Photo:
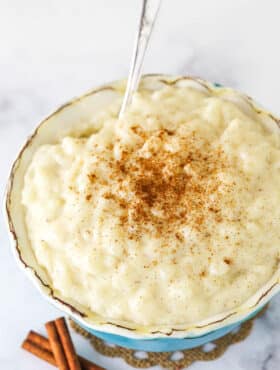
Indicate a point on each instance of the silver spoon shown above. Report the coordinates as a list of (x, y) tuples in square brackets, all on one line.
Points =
[(148, 16)]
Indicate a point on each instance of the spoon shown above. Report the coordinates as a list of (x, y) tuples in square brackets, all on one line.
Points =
[(148, 16)]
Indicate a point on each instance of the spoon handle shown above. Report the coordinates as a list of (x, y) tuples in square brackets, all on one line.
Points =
[(148, 16)]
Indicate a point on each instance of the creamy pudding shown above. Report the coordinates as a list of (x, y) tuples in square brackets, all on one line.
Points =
[(166, 217)]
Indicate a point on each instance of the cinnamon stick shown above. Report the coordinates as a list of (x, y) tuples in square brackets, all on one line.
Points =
[(56, 346), (41, 341), (38, 351), (67, 344)]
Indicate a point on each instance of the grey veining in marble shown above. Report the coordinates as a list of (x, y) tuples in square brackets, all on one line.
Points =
[(52, 50)]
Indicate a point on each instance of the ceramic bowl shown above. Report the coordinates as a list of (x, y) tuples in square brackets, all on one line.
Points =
[(69, 118)]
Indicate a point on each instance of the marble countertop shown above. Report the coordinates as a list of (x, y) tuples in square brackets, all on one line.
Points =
[(54, 50)]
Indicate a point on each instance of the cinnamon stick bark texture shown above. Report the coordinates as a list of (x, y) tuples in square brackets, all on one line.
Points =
[(67, 344), (39, 339), (56, 346), (36, 340), (38, 351)]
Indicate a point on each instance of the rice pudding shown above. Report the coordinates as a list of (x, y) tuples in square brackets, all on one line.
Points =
[(167, 216)]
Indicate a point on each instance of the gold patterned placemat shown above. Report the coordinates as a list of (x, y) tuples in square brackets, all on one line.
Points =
[(168, 360)]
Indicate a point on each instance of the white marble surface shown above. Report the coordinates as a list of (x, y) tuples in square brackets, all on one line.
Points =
[(53, 50)]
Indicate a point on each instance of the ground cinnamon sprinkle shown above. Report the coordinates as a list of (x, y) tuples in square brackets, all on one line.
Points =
[(162, 190), (227, 261), (92, 177)]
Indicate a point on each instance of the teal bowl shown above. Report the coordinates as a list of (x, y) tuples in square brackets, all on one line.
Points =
[(63, 122), (166, 344)]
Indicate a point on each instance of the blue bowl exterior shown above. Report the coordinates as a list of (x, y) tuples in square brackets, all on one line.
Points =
[(167, 344)]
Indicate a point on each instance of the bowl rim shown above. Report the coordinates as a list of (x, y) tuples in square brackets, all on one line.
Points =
[(196, 329)]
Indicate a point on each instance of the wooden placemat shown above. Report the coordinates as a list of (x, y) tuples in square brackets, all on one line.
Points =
[(170, 360)]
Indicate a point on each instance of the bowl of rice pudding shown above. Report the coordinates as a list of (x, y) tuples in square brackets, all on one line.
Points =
[(158, 231)]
